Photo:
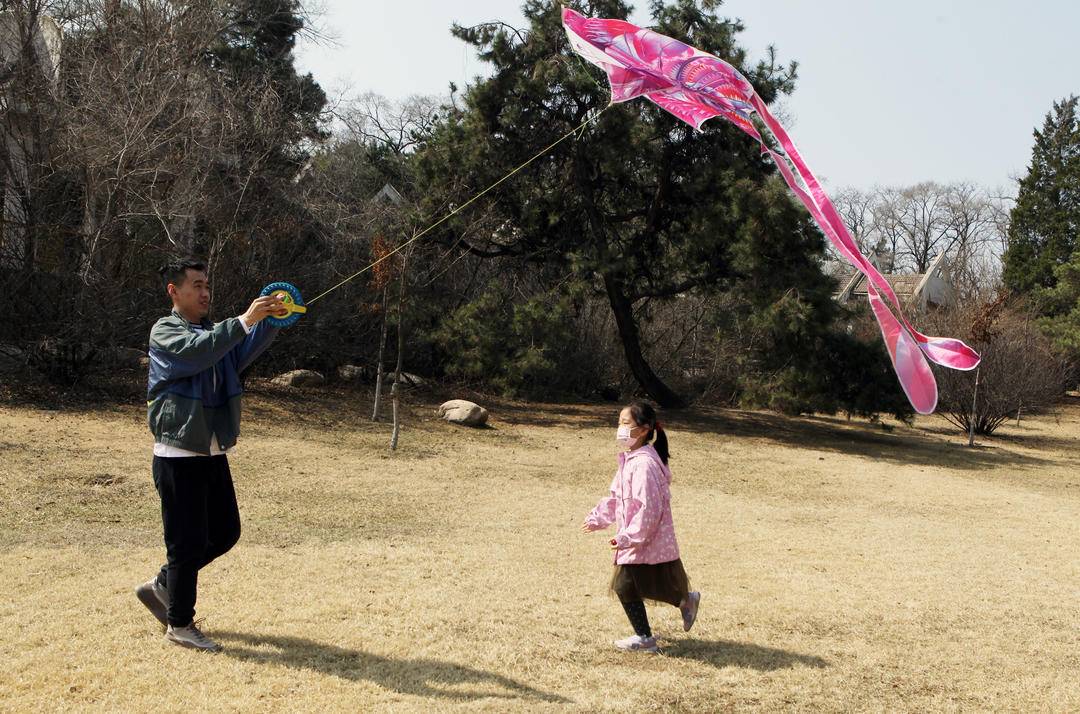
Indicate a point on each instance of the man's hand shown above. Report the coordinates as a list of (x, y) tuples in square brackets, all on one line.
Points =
[(262, 308)]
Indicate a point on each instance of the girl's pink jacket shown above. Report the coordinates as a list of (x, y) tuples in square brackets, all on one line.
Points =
[(640, 508)]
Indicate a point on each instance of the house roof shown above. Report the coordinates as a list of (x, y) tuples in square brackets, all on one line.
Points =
[(903, 285), (907, 287)]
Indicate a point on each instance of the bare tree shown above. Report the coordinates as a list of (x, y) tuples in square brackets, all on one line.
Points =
[(1000, 203), (856, 207), (148, 145), (1019, 369), (920, 221), (30, 47), (971, 241), (395, 391), (396, 125), (888, 227), (382, 276), (905, 228)]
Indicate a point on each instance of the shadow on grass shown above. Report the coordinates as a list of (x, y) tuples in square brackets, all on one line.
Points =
[(926, 445), (1068, 447), (899, 446), (545, 414), (929, 445), (418, 677), (725, 653)]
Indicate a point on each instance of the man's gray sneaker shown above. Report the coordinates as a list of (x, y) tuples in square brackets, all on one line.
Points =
[(156, 599), (191, 637)]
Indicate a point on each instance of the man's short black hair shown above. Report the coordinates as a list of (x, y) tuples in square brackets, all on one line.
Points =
[(175, 271)]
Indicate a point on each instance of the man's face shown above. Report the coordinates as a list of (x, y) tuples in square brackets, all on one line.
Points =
[(192, 297)]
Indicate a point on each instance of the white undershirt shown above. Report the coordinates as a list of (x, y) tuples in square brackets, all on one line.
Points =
[(175, 452)]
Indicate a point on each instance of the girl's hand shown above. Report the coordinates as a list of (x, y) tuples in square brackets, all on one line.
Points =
[(614, 544), (586, 527)]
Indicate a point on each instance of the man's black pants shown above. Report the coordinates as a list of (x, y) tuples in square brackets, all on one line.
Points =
[(202, 522)]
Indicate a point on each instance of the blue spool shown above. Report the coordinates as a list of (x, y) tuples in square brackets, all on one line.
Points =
[(290, 295)]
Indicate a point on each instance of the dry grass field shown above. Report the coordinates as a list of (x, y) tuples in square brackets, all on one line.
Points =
[(844, 567)]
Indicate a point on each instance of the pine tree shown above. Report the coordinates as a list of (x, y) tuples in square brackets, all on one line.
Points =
[(1062, 307), (640, 206), (1043, 234)]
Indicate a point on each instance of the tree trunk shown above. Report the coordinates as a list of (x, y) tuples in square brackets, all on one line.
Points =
[(623, 310), (382, 351), (974, 410), (396, 389), (394, 409)]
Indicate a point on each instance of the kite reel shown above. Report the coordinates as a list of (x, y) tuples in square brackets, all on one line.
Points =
[(294, 304)]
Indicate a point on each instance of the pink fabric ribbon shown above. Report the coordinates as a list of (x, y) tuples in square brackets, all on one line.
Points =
[(695, 87)]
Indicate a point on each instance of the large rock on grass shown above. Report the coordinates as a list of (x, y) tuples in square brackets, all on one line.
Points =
[(300, 378), (459, 411), (11, 358), (407, 379), (351, 373)]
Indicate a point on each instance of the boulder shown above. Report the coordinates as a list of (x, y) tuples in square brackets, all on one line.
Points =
[(351, 373), (302, 378), (11, 358), (407, 380), (459, 411)]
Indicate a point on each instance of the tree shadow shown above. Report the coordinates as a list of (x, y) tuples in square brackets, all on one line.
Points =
[(898, 445), (923, 445), (554, 414), (1033, 436), (727, 653), (418, 677)]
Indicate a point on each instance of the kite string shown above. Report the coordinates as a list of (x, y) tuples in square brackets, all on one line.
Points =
[(451, 214)]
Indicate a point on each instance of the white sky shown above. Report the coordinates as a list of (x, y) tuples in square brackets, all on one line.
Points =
[(889, 92)]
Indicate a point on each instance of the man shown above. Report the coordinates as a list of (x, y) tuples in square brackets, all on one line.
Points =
[(193, 405)]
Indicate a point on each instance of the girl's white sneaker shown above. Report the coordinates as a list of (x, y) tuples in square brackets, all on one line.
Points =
[(637, 643)]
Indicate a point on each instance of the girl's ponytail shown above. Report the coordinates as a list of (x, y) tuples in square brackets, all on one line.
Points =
[(644, 414), (661, 444)]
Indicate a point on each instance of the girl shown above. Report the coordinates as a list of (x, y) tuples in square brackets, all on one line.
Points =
[(647, 564)]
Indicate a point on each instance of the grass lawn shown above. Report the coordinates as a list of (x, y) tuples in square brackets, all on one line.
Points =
[(843, 566)]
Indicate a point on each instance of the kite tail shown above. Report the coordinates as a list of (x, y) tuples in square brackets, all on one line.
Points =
[(947, 352)]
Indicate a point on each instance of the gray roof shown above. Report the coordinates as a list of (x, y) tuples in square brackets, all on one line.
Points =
[(903, 285), (930, 288)]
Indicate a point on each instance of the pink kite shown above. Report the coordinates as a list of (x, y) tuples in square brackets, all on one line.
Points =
[(695, 87)]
